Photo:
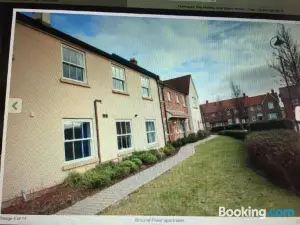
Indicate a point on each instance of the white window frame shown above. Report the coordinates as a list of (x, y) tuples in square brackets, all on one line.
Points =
[(251, 108), (112, 78), (155, 132), (253, 118), (169, 96), (90, 121), (272, 118), (237, 120), (258, 107), (149, 89), (118, 135), (195, 101), (229, 121), (69, 63), (269, 105), (183, 100), (177, 98), (228, 113)]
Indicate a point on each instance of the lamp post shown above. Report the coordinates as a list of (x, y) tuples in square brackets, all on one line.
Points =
[(276, 45)]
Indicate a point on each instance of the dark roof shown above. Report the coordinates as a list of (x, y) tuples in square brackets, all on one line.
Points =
[(50, 30), (294, 92), (181, 84), (230, 103)]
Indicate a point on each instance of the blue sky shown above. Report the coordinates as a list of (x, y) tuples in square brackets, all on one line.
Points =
[(214, 52)]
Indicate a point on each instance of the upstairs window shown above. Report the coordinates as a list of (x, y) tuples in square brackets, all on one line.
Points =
[(270, 105), (150, 131), (73, 64), (295, 101), (258, 107), (118, 77), (169, 96), (183, 100), (145, 87), (194, 101), (177, 99), (251, 108)]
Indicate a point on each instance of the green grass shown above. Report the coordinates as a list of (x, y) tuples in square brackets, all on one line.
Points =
[(215, 176)]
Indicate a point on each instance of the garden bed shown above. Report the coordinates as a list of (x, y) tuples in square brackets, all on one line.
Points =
[(62, 196)]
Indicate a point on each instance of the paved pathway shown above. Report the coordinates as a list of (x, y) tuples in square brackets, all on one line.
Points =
[(113, 194)]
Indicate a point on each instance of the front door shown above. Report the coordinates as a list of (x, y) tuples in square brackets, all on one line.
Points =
[(182, 124)]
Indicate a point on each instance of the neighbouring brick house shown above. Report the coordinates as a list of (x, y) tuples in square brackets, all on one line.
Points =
[(290, 102), (256, 108), (174, 112)]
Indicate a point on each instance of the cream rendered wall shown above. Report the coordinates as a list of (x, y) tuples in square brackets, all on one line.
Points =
[(194, 111), (34, 154)]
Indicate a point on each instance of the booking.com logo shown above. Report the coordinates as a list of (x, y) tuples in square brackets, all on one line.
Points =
[(262, 213)]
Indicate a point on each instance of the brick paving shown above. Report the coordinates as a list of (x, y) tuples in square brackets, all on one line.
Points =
[(113, 194)]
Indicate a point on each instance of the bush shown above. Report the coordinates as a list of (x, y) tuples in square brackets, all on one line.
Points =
[(74, 179), (107, 168), (95, 179), (127, 163), (130, 157), (271, 125), (217, 129), (148, 158), (159, 155), (177, 144), (137, 161), (168, 151), (235, 127), (277, 154), (192, 138), (238, 134), (170, 146), (122, 171), (138, 153)]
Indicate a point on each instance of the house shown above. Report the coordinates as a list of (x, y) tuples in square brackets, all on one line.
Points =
[(290, 96), (185, 85), (81, 106), (174, 112), (256, 108)]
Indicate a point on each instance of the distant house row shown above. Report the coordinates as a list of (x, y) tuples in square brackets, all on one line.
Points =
[(82, 106), (254, 108)]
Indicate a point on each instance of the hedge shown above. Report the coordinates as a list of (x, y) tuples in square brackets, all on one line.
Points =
[(228, 127), (277, 154), (271, 125), (238, 134), (191, 138)]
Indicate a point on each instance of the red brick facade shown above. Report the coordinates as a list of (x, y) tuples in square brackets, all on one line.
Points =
[(174, 113)]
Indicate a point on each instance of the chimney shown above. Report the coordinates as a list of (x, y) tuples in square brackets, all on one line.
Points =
[(133, 60), (206, 101), (42, 17), (244, 95), (272, 91)]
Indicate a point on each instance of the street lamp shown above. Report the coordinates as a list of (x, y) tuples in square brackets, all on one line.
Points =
[(276, 45)]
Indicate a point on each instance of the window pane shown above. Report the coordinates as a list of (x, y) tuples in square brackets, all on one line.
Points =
[(128, 141), (66, 70), (119, 142), (73, 72), (118, 124), (152, 127), (113, 71), (68, 128), (128, 128), (121, 74), (78, 130), (124, 142), (86, 148), (72, 56), (86, 130), (152, 137), (147, 126), (69, 151), (78, 149), (148, 138), (79, 74), (79, 59), (123, 127), (66, 54)]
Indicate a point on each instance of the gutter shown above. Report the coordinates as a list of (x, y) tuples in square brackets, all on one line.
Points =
[(97, 127)]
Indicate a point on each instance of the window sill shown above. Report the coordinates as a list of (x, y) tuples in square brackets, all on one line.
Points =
[(79, 164), (74, 83), (125, 152), (195, 107), (148, 99), (151, 145), (120, 92)]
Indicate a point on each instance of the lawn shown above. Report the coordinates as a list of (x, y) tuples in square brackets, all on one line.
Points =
[(215, 176)]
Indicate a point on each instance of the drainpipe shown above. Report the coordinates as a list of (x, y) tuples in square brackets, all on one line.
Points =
[(162, 120), (97, 127)]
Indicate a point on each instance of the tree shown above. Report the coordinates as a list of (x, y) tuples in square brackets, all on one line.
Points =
[(221, 111), (239, 101), (286, 58)]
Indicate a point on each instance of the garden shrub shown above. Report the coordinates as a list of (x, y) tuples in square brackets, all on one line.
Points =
[(271, 125), (133, 156), (138, 153), (169, 145), (148, 158), (217, 129), (95, 179), (74, 179), (191, 138), (238, 134), (168, 151), (122, 171), (159, 155), (128, 163), (137, 161), (177, 144), (277, 154), (162, 154)]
